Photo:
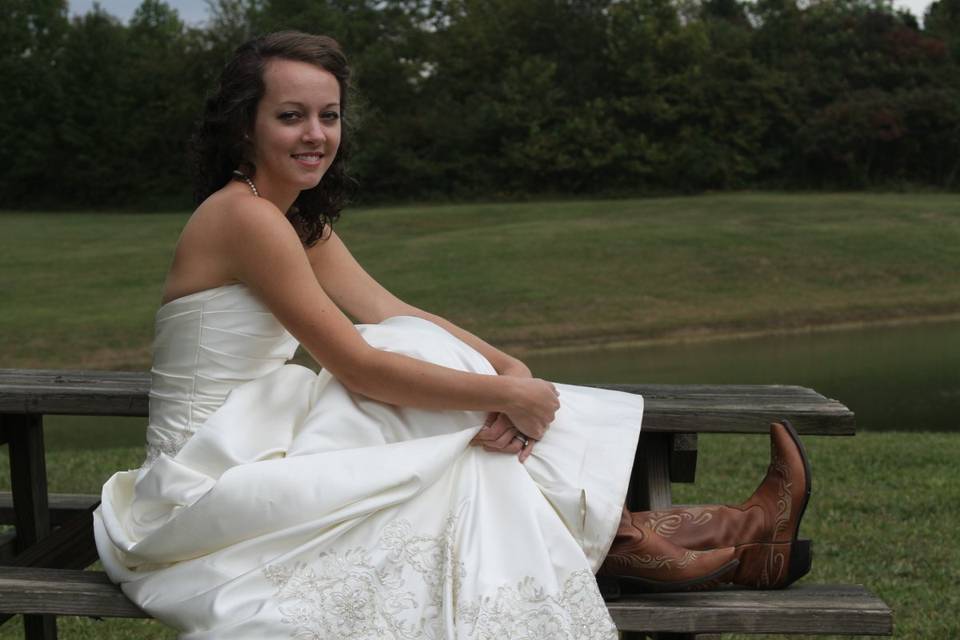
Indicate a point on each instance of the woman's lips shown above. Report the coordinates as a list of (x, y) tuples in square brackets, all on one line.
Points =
[(311, 159)]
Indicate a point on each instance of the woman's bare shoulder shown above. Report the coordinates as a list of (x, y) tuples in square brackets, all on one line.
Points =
[(226, 206), (224, 225), (228, 219)]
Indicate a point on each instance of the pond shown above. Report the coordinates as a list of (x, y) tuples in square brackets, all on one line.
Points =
[(904, 378), (901, 378)]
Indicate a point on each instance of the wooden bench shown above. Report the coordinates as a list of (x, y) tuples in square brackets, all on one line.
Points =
[(42, 574)]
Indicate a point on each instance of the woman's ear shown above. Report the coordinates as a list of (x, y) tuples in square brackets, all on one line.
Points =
[(246, 153)]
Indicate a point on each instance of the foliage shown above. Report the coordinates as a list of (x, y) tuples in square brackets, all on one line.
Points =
[(494, 98)]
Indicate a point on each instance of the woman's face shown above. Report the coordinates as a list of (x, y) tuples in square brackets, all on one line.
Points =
[(297, 128)]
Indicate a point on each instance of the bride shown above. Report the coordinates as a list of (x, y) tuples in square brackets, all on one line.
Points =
[(424, 484)]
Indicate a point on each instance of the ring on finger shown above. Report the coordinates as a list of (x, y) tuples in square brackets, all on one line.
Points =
[(522, 438)]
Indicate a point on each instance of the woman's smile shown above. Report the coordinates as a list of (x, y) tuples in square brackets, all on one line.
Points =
[(309, 159)]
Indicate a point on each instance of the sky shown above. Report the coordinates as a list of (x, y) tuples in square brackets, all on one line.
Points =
[(195, 11), (191, 11)]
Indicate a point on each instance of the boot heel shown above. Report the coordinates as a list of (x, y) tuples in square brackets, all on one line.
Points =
[(801, 559)]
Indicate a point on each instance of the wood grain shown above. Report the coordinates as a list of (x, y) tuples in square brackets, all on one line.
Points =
[(63, 592), (809, 609), (668, 408), (806, 609)]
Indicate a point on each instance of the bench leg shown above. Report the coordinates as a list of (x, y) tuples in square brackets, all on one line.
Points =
[(650, 489), (28, 477), (650, 482), (40, 627), (683, 457), (28, 484)]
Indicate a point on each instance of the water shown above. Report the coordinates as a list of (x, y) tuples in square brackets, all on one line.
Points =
[(904, 378), (894, 378)]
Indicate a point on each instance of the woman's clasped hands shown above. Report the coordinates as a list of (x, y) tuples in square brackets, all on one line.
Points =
[(517, 429)]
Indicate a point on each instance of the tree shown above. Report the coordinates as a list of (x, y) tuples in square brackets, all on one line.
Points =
[(157, 89), (31, 36), (942, 20)]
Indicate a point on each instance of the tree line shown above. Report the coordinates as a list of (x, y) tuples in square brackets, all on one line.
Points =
[(502, 98)]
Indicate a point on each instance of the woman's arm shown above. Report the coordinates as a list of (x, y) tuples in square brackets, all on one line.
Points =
[(263, 251), (360, 295)]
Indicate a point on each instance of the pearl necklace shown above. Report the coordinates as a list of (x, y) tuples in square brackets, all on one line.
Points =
[(242, 176)]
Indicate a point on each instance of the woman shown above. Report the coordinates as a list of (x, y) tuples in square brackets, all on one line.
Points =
[(350, 504)]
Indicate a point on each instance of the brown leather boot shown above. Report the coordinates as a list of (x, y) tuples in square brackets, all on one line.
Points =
[(642, 560), (763, 529)]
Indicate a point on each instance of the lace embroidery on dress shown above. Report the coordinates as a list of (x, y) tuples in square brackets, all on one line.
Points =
[(170, 445), (349, 595), (529, 612)]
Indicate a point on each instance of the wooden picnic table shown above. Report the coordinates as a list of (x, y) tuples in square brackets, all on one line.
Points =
[(53, 538)]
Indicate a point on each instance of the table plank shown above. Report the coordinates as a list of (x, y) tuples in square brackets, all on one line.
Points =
[(668, 408), (816, 609), (63, 592), (807, 609), (62, 506)]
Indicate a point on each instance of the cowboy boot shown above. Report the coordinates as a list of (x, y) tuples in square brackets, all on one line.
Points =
[(763, 529), (642, 560)]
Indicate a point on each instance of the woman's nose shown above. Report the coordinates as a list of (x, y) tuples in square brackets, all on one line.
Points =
[(315, 132)]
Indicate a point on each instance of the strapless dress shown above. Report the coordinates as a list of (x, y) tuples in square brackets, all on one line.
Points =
[(275, 503)]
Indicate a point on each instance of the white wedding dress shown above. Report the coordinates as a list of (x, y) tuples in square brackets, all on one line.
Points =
[(274, 503)]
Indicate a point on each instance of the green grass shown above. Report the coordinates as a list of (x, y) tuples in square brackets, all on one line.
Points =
[(883, 514), (524, 275), (80, 290)]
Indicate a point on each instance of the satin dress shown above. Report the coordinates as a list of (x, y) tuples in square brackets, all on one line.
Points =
[(275, 503)]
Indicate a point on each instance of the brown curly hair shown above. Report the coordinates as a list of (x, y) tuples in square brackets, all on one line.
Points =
[(219, 144)]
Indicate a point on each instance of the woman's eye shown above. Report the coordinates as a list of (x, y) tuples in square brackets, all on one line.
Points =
[(331, 115), (289, 115)]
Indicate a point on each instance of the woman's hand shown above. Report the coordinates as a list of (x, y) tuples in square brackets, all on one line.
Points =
[(499, 435), (518, 428), (534, 406)]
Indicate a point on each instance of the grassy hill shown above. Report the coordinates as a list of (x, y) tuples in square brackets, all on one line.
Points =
[(80, 289)]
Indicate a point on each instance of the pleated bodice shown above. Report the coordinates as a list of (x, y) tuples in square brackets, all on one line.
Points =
[(206, 344)]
